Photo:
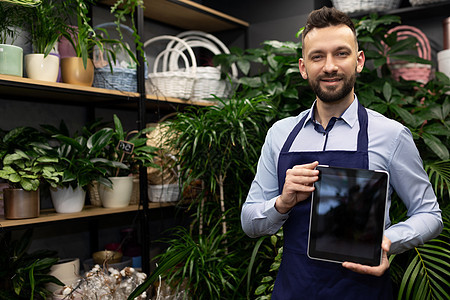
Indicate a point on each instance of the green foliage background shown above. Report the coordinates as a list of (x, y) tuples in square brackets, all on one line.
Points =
[(229, 265)]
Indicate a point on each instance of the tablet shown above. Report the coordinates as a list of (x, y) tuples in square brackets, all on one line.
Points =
[(347, 215)]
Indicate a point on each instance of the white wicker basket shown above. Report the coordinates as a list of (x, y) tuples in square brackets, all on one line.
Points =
[(164, 192), (358, 6), (177, 82), (424, 2), (208, 79)]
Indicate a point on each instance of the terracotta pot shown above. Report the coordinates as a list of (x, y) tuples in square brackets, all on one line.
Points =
[(73, 71), (21, 204)]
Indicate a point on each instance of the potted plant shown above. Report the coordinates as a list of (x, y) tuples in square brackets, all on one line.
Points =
[(83, 37), (129, 148), (78, 166), (25, 164), (24, 275), (45, 23), (12, 15), (25, 171)]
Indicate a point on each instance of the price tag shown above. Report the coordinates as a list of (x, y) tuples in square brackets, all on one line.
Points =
[(126, 147)]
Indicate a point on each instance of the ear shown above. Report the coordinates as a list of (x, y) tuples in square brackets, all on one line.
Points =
[(361, 58), (302, 68)]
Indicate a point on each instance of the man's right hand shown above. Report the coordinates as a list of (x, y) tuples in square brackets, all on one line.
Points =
[(298, 186)]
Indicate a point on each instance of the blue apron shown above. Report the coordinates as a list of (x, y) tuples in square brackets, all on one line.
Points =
[(300, 277)]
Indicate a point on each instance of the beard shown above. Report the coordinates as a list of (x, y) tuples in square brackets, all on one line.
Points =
[(333, 93)]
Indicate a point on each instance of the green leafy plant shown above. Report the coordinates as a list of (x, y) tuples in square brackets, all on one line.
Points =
[(121, 9), (79, 164), (11, 20), (220, 146), (24, 275), (84, 38), (26, 161), (115, 150), (45, 23), (272, 72)]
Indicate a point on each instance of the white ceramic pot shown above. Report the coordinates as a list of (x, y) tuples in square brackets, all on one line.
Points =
[(67, 271), (68, 200), (444, 61), (120, 193), (42, 68)]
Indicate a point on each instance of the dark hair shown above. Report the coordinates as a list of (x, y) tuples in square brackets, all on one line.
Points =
[(325, 17)]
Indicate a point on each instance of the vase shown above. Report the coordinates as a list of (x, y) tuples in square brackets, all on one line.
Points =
[(21, 204), (73, 71), (67, 271), (67, 199), (42, 68), (11, 60), (120, 193)]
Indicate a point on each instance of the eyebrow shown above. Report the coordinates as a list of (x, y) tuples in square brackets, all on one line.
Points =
[(319, 51)]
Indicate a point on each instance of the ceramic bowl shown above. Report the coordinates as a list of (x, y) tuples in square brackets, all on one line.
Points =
[(111, 257)]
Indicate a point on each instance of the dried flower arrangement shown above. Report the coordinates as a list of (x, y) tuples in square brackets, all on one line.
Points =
[(106, 285)]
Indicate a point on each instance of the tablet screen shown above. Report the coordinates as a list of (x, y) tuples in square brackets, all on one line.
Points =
[(347, 215)]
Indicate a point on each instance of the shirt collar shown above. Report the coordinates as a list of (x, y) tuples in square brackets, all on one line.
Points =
[(350, 115)]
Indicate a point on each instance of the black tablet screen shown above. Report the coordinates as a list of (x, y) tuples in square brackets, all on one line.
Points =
[(347, 215)]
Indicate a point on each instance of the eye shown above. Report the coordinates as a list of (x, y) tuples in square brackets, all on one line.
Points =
[(316, 57), (343, 53)]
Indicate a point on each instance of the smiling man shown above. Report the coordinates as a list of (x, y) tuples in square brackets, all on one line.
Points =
[(336, 131)]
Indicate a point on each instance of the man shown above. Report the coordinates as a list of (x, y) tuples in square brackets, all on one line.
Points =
[(336, 131)]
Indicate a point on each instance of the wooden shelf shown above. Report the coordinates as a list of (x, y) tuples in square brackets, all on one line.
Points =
[(415, 12), (49, 215), (26, 89), (188, 15)]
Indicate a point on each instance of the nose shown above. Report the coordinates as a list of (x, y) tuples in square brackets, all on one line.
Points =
[(330, 65)]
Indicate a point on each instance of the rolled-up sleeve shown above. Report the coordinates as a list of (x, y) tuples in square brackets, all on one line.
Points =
[(410, 181)]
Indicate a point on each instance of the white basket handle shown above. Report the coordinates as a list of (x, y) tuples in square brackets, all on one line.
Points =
[(164, 54), (176, 39), (200, 35), (193, 44)]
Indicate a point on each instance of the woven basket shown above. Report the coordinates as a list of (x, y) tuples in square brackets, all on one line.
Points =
[(358, 6), (424, 2), (94, 195), (177, 82), (407, 70), (121, 78), (135, 193), (208, 79)]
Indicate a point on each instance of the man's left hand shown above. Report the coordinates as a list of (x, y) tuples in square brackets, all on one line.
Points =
[(376, 271)]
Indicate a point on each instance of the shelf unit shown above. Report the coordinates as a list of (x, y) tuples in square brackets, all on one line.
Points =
[(63, 93), (188, 15), (183, 14), (415, 12), (49, 215)]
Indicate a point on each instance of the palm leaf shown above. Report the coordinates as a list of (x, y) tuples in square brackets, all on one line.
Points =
[(426, 276), (439, 174)]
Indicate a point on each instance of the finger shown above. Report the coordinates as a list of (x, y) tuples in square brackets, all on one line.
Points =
[(366, 270), (386, 244), (310, 166)]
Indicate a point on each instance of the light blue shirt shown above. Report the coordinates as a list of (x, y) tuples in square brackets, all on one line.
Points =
[(391, 148)]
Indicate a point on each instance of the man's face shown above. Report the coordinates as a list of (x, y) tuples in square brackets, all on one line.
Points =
[(330, 62)]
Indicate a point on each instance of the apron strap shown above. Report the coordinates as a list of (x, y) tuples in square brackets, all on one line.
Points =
[(363, 140)]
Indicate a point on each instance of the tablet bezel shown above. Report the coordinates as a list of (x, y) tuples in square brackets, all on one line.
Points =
[(331, 256)]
